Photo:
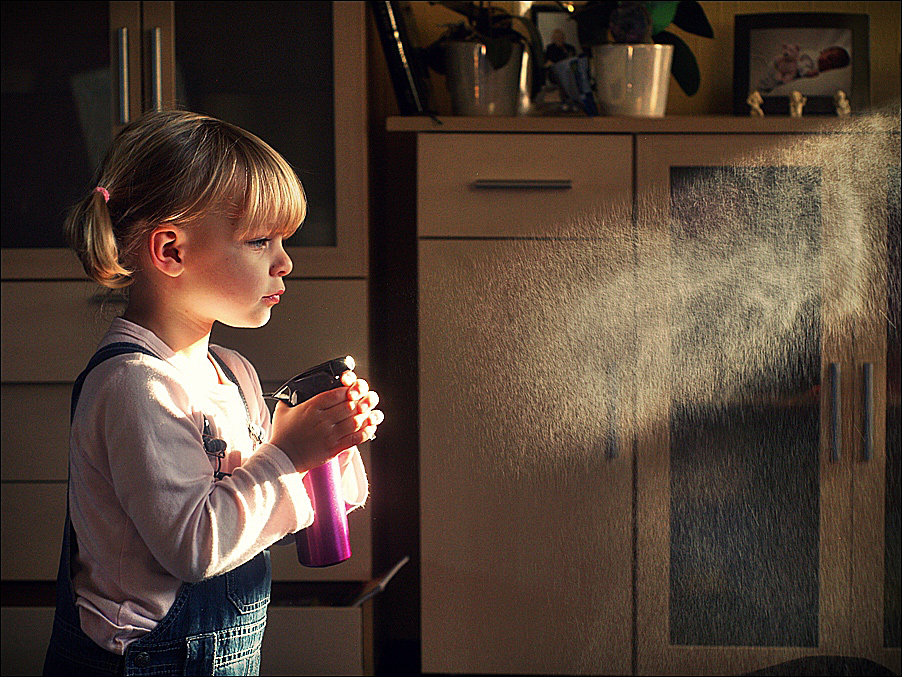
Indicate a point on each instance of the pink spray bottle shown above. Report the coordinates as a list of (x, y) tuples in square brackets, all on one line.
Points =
[(326, 541)]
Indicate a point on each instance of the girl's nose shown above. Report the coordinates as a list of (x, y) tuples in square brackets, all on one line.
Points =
[(282, 265)]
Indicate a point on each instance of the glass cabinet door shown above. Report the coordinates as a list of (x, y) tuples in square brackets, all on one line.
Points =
[(291, 73), (278, 85), (741, 484), (61, 102)]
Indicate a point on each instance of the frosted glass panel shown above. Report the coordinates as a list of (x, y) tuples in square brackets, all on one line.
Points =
[(744, 512)]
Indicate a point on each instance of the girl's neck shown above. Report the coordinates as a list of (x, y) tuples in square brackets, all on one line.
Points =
[(185, 335)]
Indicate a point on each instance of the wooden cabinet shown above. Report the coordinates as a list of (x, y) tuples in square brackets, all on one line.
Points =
[(513, 499), (657, 432), (754, 492), (74, 73)]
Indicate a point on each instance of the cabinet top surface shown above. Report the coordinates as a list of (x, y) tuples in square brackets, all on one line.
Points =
[(677, 124)]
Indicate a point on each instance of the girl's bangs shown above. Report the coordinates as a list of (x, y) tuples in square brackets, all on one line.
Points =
[(274, 200)]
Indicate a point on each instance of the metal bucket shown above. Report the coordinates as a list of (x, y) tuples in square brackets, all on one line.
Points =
[(476, 87), (632, 80)]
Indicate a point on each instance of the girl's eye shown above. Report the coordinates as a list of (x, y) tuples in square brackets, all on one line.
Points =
[(259, 243)]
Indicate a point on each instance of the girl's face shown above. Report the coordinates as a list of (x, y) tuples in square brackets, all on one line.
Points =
[(231, 279)]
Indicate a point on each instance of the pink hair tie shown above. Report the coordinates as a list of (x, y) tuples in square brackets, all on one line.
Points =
[(103, 191)]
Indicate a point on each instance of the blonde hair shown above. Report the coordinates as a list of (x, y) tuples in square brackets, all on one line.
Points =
[(177, 167)]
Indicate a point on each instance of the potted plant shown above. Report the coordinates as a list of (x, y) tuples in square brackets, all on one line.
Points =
[(633, 54), (482, 58)]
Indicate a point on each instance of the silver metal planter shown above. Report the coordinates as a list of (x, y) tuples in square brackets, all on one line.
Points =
[(476, 87), (632, 80)]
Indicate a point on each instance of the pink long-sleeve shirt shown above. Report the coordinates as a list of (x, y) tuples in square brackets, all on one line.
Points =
[(147, 512)]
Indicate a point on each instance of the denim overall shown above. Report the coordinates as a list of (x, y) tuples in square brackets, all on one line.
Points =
[(214, 627)]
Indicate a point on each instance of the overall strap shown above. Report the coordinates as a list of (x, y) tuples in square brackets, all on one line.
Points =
[(103, 354), (234, 379), (251, 428)]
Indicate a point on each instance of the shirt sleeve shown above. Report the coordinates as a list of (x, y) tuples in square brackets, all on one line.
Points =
[(194, 526)]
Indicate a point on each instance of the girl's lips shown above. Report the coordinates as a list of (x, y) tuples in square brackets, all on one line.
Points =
[(273, 298)]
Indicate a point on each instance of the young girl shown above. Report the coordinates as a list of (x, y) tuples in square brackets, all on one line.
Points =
[(178, 481)]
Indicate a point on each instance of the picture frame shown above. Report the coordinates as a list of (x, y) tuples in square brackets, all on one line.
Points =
[(813, 53), (549, 18)]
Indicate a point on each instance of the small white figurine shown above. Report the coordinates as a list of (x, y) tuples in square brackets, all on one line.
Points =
[(843, 107), (796, 104), (754, 101)]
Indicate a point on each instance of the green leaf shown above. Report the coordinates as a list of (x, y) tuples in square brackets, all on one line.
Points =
[(691, 18), (684, 68), (662, 14)]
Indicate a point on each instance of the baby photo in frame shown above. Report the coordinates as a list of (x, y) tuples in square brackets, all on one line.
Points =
[(815, 54)]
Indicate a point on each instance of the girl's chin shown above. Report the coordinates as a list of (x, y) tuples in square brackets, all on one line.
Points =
[(249, 322)]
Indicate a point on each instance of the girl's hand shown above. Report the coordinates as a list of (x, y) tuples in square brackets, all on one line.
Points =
[(316, 430)]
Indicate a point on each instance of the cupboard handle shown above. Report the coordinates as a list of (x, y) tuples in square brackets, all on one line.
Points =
[(613, 443), (553, 184), (868, 394), (156, 68), (123, 77), (835, 412)]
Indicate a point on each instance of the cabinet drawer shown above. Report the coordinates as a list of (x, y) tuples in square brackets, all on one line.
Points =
[(35, 423), (316, 641), (316, 321), (298, 640), (32, 531), (51, 329), (520, 185)]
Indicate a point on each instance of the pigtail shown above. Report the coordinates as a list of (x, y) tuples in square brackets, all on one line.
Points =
[(89, 228), (177, 167)]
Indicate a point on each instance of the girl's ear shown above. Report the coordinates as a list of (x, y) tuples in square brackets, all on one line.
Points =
[(165, 250)]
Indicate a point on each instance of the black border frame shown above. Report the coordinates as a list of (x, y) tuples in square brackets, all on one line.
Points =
[(859, 97)]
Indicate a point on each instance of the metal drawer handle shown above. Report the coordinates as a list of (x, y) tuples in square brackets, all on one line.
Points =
[(156, 68), (553, 184), (868, 423), (123, 77), (835, 412)]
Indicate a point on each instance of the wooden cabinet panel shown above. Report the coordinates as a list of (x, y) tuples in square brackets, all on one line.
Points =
[(525, 504), (315, 321), (51, 329), (33, 518), (35, 424), (504, 185)]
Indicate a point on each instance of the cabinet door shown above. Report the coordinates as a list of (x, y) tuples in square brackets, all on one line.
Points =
[(744, 410), (70, 76), (293, 74), (876, 571), (525, 464)]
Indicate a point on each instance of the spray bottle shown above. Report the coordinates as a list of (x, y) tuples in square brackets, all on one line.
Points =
[(326, 541)]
